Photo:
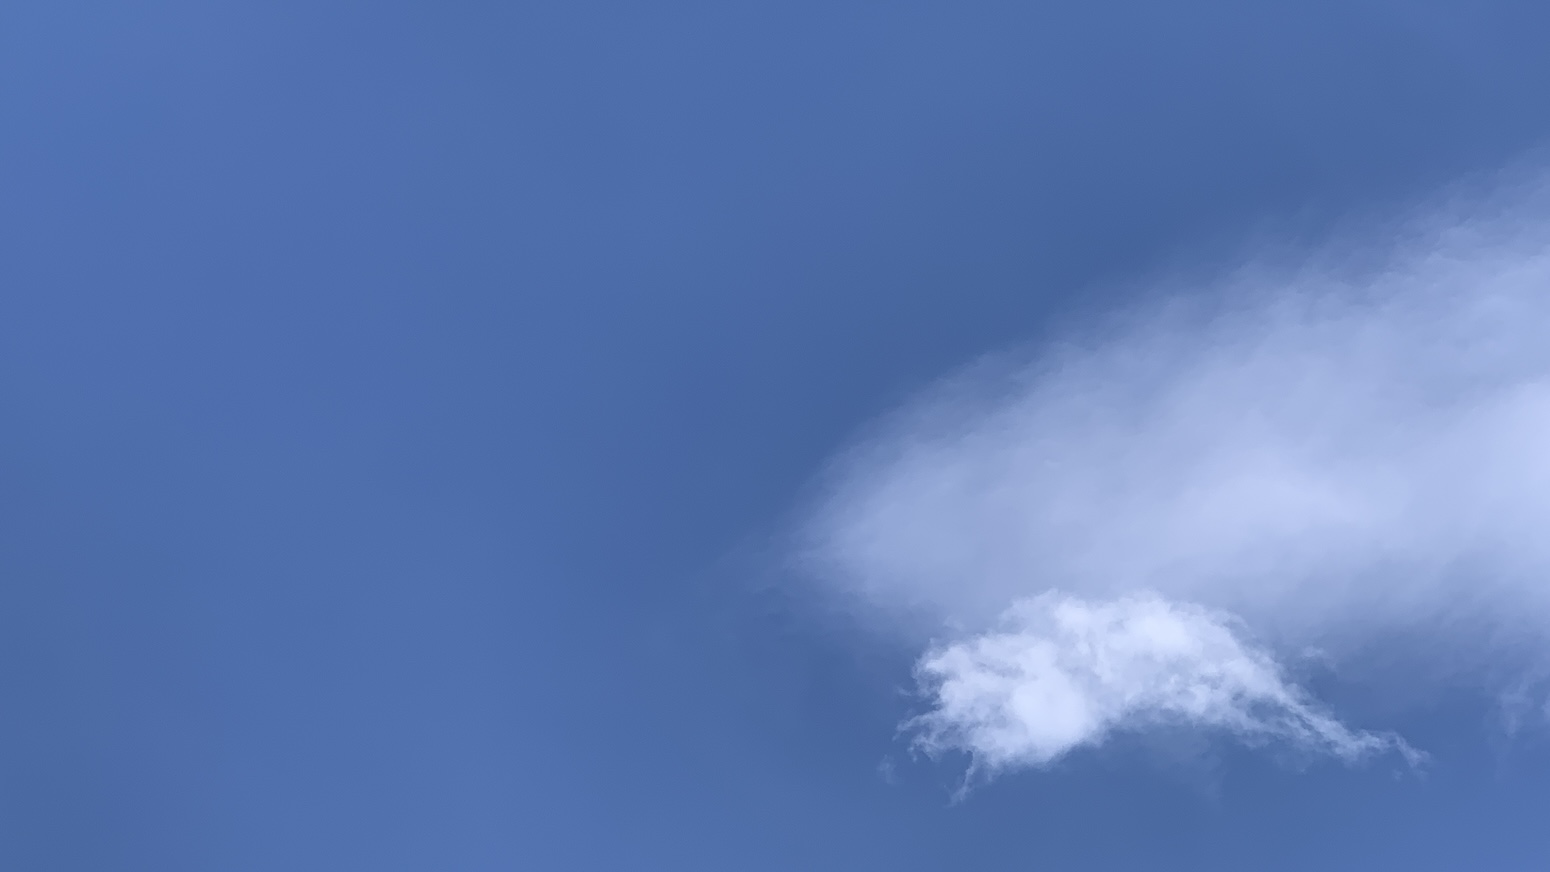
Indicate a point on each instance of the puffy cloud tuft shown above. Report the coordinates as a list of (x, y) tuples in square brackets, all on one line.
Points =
[(1066, 673)]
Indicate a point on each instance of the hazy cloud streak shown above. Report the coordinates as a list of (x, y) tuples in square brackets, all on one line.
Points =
[(1331, 454)]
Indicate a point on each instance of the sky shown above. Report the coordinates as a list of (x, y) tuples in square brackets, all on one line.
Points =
[(839, 435)]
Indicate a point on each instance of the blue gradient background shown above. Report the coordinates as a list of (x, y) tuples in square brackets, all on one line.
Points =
[(395, 400)]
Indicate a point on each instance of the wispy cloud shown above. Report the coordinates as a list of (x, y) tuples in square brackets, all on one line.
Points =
[(1330, 454)]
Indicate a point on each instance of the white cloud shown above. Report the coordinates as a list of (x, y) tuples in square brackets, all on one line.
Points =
[(1066, 673), (1335, 455)]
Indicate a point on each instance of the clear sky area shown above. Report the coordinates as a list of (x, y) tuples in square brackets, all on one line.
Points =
[(788, 436)]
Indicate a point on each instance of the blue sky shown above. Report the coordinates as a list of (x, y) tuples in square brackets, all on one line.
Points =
[(495, 436)]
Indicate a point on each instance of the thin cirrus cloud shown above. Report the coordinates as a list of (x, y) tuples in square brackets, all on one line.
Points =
[(1144, 525)]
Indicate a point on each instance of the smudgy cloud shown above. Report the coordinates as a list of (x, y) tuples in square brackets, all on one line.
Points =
[(1333, 455)]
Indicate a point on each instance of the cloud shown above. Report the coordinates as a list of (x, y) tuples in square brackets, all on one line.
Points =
[(1339, 454), (1067, 673)]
